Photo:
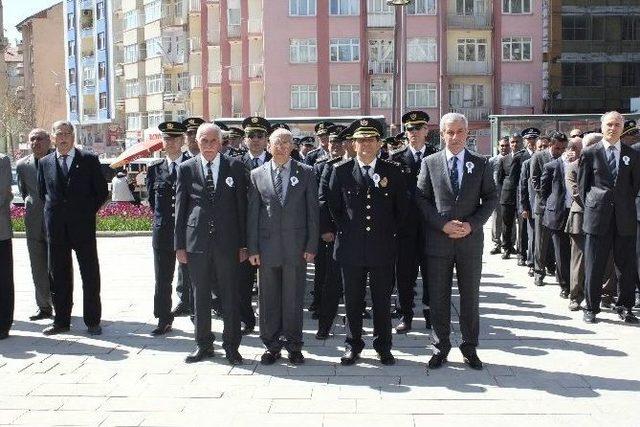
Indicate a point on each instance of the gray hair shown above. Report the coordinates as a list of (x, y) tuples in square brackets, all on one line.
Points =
[(453, 118), (591, 138), (611, 113), (57, 124), (203, 128), (281, 135)]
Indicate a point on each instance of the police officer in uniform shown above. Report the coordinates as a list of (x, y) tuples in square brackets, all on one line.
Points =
[(323, 139), (367, 198), (411, 233), (161, 187), (236, 136), (192, 124)]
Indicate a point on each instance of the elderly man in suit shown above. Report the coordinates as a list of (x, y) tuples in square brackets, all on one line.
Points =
[(368, 201), (282, 236), (73, 189), (456, 194), (27, 171), (6, 255), (504, 149), (210, 237), (609, 180)]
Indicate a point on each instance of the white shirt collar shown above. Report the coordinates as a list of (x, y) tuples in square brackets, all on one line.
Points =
[(274, 165), (372, 164), (214, 163), (608, 144), (261, 156), (460, 155), (414, 151), (70, 154), (177, 161)]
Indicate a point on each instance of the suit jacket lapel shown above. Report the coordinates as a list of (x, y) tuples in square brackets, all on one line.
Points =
[(199, 174), (265, 171), (223, 171), (601, 152), (294, 171), (445, 170), (465, 171), (74, 165), (357, 174)]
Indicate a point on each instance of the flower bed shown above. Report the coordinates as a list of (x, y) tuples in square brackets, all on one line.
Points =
[(112, 217)]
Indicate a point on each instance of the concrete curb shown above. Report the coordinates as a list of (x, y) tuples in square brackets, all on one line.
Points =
[(22, 234)]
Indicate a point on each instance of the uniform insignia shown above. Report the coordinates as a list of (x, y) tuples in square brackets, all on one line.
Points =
[(254, 120), (229, 181), (364, 122), (169, 125), (626, 160), (294, 181), (413, 116), (383, 182)]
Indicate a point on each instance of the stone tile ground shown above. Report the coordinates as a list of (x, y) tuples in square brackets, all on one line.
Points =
[(544, 366)]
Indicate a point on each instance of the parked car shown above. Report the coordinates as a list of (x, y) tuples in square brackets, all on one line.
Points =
[(17, 197)]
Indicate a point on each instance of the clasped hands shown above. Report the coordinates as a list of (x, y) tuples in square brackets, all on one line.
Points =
[(455, 229)]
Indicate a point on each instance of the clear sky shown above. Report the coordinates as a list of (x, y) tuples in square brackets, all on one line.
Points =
[(17, 10)]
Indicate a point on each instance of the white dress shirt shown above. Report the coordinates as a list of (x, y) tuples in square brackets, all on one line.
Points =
[(70, 155), (362, 165), (606, 144), (177, 161), (414, 152), (285, 174), (261, 157), (460, 164), (215, 167)]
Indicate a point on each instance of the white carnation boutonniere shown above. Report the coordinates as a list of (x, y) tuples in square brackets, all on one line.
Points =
[(376, 179), (229, 181), (294, 181), (470, 167), (626, 160)]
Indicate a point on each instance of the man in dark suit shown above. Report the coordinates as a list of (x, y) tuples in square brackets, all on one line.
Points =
[(609, 180), (161, 187), (27, 172), (7, 292), (367, 199), (636, 146), (411, 254), (210, 237), (456, 195), (504, 149), (323, 142), (557, 202), (73, 189), (282, 236)]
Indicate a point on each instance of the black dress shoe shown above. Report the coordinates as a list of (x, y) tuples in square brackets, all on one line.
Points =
[(506, 255), (199, 354), (55, 329), (564, 293), (531, 272), (315, 315), (589, 316), (162, 328), (437, 360), (386, 358), (607, 301), (404, 326), (627, 315), (551, 271), (233, 357), (95, 330), (296, 357), (314, 306), (269, 358), (4, 335), (247, 329), (323, 333), (181, 310), (539, 281), (472, 359), (427, 317), (349, 357), (366, 314), (574, 305), (495, 251), (42, 314)]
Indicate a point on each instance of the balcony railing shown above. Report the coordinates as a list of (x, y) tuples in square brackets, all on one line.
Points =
[(254, 26), (194, 6), (213, 36), (481, 68), (194, 44), (256, 71), (476, 21), (235, 73), (473, 113), (381, 67), (173, 16), (233, 30), (195, 81), (215, 77), (381, 20)]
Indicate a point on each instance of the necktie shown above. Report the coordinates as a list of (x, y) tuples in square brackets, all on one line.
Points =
[(453, 175), (174, 173), (418, 157), (255, 163), (613, 166), (211, 187), (277, 183), (367, 177), (65, 167)]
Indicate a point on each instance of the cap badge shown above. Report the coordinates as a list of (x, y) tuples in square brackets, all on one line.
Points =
[(169, 125), (254, 120), (364, 122), (413, 116)]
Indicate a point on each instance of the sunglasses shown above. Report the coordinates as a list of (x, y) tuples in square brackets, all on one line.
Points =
[(251, 135), (414, 128)]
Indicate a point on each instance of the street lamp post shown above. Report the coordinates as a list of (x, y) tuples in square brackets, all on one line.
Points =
[(399, 59)]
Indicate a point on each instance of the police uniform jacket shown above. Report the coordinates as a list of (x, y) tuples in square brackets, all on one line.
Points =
[(161, 187)]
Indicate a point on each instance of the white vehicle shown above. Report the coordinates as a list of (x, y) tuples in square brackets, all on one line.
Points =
[(17, 197)]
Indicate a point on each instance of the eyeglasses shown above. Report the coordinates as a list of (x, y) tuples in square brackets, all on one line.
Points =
[(252, 135), (63, 134)]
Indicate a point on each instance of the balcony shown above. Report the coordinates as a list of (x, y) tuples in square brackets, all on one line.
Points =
[(254, 26), (173, 59), (118, 70), (256, 71), (215, 77), (235, 73), (172, 16), (477, 21), (472, 113), (194, 44), (195, 81), (469, 68), (194, 6), (381, 67), (233, 31), (381, 20)]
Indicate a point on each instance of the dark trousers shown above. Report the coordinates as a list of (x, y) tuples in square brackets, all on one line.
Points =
[(319, 275), (596, 253), (508, 221), (247, 276), (638, 257), (410, 258), (577, 268), (164, 263), (380, 284), (7, 293), (562, 250), (61, 272), (468, 270), (523, 239), (531, 239), (331, 287), (184, 288), (38, 256), (543, 252), (215, 270)]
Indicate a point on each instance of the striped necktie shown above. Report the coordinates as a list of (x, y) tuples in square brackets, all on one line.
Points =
[(453, 175), (277, 183), (211, 187), (611, 159)]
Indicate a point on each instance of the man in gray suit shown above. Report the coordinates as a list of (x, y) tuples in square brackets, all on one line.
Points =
[(456, 194), (282, 237), (27, 171), (6, 257)]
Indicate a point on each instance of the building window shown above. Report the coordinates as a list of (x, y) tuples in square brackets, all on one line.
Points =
[(71, 21), (233, 16), (154, 84), (167, 83), (154, 47), (102, 70), (582, 74), (183, 82), (470, 7), (516, 94), (72, 76), (71, 48), (631, 74), (381, 93), (303, 51), (302, 7), (421, 95), (344, 7), (516, 49), (131, 19), (466, 95), (89, 76), (152, 11), (422, 49), (474, 50), (516, 6), (631, 28), (132, 88), (102, 101), (99, 10), (421, 7), (344, 50), (582, 27), (73, 104), (379, 6), (101, 43), (345, 96), (134, 121), (304, 97), (131, 53), (155, 118)]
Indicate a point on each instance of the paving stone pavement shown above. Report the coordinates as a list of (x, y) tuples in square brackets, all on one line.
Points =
[(543, 365)]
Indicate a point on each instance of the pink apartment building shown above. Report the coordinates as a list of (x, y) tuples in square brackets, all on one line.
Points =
[(293, 58)]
